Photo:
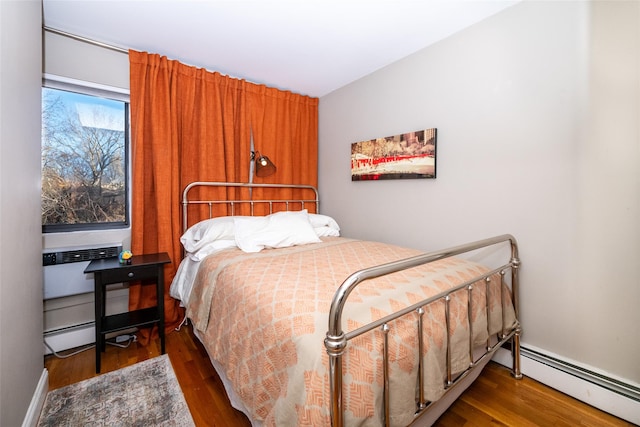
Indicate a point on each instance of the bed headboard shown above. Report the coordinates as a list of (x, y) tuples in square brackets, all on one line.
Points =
[(280, 197)]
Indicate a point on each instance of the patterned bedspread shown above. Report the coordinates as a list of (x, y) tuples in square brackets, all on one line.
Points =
[(263, 317)]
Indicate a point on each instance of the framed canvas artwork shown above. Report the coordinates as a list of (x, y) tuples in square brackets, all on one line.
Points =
[(406, 156)]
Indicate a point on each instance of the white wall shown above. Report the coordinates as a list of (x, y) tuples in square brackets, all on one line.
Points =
[(537, 113), (21, 364)]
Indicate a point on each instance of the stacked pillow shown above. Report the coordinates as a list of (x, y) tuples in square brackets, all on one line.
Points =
[(255, 233)]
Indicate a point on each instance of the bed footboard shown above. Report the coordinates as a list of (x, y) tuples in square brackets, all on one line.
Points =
[(336, 341)]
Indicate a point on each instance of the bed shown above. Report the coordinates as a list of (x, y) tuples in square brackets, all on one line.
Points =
[(307, 327)]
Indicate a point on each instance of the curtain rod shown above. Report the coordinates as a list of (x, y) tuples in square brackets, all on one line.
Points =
[(93, 42), (86, 40)]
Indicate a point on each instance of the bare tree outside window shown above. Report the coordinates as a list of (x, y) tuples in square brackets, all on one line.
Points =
[(84, 161)]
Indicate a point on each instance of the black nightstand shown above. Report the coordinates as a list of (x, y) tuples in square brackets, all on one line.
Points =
[(150, 269)]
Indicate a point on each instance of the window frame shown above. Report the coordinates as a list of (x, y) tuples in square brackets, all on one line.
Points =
[(50, 81)]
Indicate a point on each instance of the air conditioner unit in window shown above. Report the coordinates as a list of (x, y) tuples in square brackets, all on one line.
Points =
[(64, 269)]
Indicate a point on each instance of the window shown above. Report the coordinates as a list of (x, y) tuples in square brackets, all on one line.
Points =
[(84, 159)]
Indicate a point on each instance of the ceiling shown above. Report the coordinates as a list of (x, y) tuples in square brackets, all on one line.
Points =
[(311, 47)]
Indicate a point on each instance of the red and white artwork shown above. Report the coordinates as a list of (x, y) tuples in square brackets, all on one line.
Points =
[(405, 156)]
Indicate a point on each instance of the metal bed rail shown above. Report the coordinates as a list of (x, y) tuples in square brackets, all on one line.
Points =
[(232, 203), (336, 340)]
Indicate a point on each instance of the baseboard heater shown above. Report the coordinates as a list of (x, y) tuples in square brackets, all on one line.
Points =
[(618, 397), (67, 337), (627, 390), (611, 384)]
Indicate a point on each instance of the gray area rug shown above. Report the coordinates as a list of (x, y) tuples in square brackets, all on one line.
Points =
[(144, 394)]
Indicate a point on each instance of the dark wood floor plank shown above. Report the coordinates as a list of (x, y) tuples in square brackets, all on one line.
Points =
[(494, 399)]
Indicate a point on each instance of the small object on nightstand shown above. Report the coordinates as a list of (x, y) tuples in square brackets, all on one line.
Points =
[(125, 257)]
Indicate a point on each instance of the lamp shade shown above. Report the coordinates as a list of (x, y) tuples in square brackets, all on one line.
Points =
[(264, 166)]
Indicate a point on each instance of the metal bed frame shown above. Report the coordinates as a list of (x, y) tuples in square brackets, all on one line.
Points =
[(336, 341)]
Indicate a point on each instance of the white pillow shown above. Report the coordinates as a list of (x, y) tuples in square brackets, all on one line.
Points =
[(324, 225), (278, 230), (318, 220), (215, 234), (206, 232)]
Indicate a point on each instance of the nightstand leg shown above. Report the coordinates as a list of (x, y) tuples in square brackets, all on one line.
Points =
[(103, 312), (160, 298), (99, 307)]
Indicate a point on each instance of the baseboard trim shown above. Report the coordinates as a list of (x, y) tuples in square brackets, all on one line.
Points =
[(37, 401), (605, 393)]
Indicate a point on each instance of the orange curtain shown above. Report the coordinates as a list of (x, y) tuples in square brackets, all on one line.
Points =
[(190, 124), (187, 124), (285, 128)]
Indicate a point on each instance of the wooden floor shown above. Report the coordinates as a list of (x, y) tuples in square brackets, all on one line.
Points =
[(494, 399)]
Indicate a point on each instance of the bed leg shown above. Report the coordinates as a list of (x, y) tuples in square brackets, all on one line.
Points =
[(335, 345), (515, 353)]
